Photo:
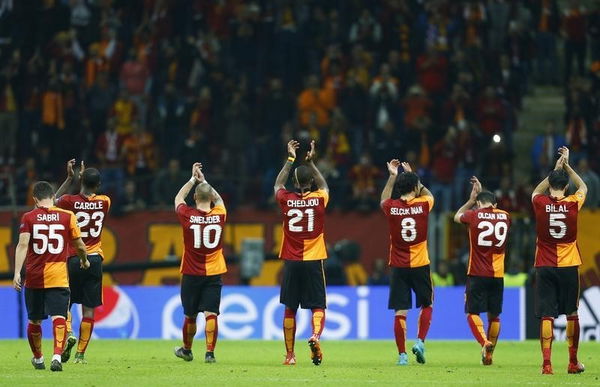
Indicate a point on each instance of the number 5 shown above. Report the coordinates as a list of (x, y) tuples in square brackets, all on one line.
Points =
[(556, 223)]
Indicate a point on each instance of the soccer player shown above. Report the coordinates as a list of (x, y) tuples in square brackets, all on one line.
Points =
[(86, 285), (488, 228), (557, 257), (407, 213), (302, 249), (44, 236), (202, 262)]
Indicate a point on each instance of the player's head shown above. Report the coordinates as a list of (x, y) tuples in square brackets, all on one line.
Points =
[(558, 179), (303, 177), (90, 179), (42, 190), (406, 183), (486, 199), (203, 193)]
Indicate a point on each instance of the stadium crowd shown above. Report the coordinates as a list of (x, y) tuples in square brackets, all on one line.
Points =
[(142, 87)]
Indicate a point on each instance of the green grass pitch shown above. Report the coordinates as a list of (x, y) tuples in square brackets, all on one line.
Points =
[(152, 363)]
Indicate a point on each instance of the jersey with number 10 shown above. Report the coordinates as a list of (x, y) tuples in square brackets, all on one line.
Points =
[(202, 240), (408, 222), (556, 227), (488, 229), (303, 225), (90, 212)]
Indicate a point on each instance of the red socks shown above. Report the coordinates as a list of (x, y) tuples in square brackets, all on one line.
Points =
[(289, 329), (546, 336), (59, 326), (211, 332), (573, 337), (34, 336), (400, 333), (424, 322), (318, 322), (189, 331)]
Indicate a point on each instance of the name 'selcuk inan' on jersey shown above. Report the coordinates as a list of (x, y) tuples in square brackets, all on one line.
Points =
[(406, 211)]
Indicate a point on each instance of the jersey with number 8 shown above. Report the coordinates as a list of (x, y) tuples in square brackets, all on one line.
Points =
[(408, 222), (91, 212), (488, 232), (202, 240), (303, 225), (51, 232), (556, 227)]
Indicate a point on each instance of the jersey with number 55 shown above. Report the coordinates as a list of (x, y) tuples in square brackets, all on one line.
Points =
[(556, 227), (408, 222), (303, 225), (202, 240), (488, 232), (91, 212), (51, 231)]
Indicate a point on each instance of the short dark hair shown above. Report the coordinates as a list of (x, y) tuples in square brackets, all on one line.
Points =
[(406, 182), (90, 178), (43, 190), (558, 179), (303, 175), (486, 197)]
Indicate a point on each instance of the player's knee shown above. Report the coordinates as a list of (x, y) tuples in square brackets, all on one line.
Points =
[(401, 313), (35, 322), (573, 314), (87, 312), (208, 314)]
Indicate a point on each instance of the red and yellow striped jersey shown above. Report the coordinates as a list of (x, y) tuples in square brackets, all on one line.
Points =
[(51, 232), (91, 213), (408, 222), (556, 227), (303, 225), (488, 231), (202, 240)]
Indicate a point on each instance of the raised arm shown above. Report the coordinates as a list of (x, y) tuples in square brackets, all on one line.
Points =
[(421, 189), (475, 190), (575, 178), (543, 186), (67, 183), (216, 198), (287, 167), (187, 187), (392, 167), (20, 254), (319, 179)]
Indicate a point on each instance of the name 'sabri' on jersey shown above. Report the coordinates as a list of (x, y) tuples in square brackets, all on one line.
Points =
[(48, 217), (416, 210)]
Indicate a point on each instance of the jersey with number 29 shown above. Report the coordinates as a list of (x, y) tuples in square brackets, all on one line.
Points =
[(303, 225), (488, 230), (556, 227), (408, 222), (51, 232), (91, 213), (202, 240)]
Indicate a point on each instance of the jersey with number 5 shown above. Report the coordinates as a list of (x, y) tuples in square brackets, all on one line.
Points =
[(488, 232), (91, 212), (303, 225), (202, 240), (51, 232), (408, 222), (556, 227)]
